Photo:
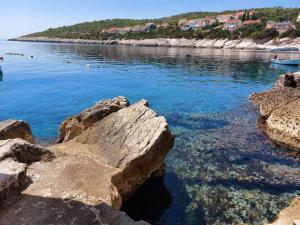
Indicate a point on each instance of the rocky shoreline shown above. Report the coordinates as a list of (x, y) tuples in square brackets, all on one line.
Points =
[(284, 44), (106, 153), (279, 111)]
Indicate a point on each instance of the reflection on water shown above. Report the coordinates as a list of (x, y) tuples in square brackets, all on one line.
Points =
[(222, 170)]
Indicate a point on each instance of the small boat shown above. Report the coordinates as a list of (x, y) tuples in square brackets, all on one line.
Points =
[(290, 62), (1, 74), (14, 53)]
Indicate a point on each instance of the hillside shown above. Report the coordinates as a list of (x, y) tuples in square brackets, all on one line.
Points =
[(92, 30)]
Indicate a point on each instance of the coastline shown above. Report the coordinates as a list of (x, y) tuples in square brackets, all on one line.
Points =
[(279, 113), (284, 44)]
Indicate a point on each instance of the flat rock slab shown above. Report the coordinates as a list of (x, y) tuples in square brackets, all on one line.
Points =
[(10, 129), (77, 178)]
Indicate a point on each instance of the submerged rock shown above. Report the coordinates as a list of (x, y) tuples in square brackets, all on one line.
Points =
[(75, 125), (85, 180), (10, 129), (290, 214)]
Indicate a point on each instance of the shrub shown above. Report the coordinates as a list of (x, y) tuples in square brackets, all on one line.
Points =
[(217, 34), (266, 33), (292, 33)]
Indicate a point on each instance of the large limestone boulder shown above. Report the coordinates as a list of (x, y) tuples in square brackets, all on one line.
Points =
[(15, 156), (85, 180), (273, 99), (231, 44), (38, 188), (10, 129), (181, 42), (284, 123), (133, 140), (12, 178), (280, 109), (75, 125), (220, 43)]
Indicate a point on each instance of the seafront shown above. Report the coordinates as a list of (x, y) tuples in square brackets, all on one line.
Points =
[(133, 113), (284, 44)]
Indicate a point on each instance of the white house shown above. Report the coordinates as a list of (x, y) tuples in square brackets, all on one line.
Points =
[(298, 19)]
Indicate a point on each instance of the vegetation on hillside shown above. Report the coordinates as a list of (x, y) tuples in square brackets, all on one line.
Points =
[(92, 30)]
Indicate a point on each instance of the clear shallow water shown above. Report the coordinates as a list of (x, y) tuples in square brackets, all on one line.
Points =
[(222, 170)]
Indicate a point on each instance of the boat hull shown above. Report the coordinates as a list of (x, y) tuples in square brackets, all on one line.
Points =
[(286, 62)]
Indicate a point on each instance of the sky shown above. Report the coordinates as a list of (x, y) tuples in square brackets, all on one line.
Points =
[(20, 17)]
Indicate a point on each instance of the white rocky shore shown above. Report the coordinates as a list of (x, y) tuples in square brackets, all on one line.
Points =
[(280, 44)]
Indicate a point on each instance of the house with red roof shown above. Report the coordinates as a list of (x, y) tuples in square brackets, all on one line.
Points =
[(232, 24), (280, 26)]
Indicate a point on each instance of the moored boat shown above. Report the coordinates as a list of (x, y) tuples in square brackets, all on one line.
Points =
[(290, 62), (1, 74)]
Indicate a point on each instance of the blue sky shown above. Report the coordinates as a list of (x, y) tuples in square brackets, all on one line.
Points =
[(19, 17)]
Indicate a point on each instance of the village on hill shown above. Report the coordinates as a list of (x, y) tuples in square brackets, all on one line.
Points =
[(230, 22)]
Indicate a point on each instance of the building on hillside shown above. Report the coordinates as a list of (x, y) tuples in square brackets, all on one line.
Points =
[(181, 22), (164, 25), (280, 26), (224, 18), (251, 22), (298, 19), (150, 26), (196, 24), (209, 21), (238, 15), (138, 28), (232, 24)]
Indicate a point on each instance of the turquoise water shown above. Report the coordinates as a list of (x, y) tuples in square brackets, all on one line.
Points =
[(222, 170)]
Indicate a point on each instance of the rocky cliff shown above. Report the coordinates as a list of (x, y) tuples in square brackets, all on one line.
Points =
[(86, 179)]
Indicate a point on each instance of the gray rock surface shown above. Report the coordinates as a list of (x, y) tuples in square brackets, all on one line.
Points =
[(85, 180), (133, 140), (280, 109), (75, 125), (10, 129), (15, 155)]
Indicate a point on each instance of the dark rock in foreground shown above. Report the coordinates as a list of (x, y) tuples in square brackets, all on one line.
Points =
[(10, 129), (85, 180)]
